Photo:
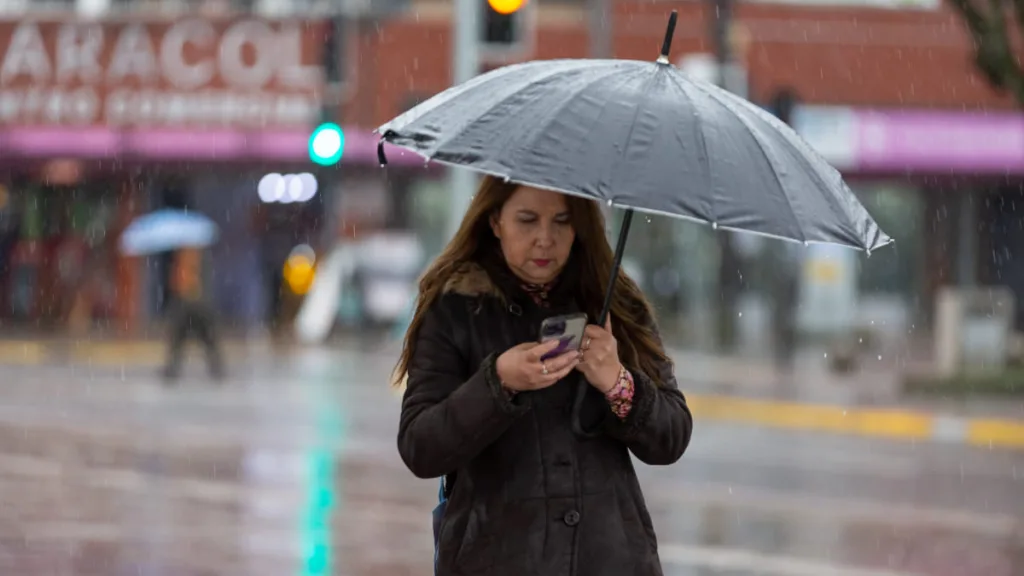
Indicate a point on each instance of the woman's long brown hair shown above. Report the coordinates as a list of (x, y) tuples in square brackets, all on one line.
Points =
[(632, 316)]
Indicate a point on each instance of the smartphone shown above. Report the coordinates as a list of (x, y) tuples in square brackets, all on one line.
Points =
[(568, 330)]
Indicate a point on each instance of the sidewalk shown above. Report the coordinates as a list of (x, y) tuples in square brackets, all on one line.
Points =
[(106, 352), (721, 388)]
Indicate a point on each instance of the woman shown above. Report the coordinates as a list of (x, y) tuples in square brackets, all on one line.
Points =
[(527, 496)]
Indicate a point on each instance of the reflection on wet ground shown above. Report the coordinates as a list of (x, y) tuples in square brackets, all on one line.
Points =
[(291, 470)]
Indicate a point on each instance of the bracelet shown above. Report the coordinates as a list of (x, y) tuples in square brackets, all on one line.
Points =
[(620, 397)]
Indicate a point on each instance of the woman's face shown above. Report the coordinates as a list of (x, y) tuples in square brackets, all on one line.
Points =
[(536, 234)]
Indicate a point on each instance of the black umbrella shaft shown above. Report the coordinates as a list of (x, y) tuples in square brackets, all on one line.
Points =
[(620, 248), (582, 389), (666, 44)]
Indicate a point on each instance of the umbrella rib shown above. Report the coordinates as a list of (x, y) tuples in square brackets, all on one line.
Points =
[(705, 159), (761, 148)]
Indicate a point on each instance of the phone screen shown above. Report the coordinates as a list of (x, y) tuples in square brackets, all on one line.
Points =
[(568, 330)]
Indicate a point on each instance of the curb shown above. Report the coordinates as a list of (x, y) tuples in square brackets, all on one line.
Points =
[(892, 423)]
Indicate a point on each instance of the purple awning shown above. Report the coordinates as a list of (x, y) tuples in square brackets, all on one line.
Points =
[(182, 145)]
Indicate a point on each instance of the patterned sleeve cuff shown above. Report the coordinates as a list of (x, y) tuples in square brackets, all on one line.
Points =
[(620, 397)]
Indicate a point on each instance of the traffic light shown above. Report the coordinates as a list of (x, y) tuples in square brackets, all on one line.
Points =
[(326, 144), (502, 23)]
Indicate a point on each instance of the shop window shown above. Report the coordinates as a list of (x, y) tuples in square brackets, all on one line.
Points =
[(894, 269), (56, 254)]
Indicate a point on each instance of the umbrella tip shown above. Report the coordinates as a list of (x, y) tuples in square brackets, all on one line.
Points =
[(666, 44)]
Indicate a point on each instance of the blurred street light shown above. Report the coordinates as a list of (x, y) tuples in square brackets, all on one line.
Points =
[(299, 270), (287, 188)]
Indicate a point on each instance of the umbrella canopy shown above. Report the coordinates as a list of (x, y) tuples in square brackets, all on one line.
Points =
[(644, 136), (167, 230)]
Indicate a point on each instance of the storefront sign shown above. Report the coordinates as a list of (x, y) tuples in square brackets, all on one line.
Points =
[(946, 142), (883, 4), (193, 72)]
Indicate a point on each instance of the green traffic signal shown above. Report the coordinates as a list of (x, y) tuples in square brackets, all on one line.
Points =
[(326, 144)]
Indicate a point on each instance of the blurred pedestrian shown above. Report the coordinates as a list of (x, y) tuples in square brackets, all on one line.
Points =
[(785, 295), (190, 315), (527, 494)]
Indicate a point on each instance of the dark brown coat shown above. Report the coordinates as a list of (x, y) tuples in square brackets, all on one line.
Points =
[(529, 497)]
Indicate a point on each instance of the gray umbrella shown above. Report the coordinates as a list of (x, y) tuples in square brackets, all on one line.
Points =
[(640, 136)]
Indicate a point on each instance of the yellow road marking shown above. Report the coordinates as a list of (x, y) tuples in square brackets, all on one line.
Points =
[(21, 353)]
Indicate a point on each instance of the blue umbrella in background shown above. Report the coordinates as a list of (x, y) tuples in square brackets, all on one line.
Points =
[(168, 230)]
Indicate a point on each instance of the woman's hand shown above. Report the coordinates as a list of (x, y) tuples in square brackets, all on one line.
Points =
[(600, 354), (521, 368)]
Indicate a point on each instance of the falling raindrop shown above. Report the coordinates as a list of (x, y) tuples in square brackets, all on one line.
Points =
[(609, 201), (714, 225), (879, 356)]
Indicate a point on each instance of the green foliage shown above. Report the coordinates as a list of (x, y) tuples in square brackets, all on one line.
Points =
[(991, 24)]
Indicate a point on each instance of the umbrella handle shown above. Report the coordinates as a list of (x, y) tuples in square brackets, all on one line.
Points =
[(583, 387)]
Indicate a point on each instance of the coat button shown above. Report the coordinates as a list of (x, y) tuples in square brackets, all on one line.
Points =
[(572, 518)]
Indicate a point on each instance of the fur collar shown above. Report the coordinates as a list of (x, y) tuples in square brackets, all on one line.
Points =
[(470, 279)]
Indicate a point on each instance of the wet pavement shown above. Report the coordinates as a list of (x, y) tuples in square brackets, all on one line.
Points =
[(290, 468)]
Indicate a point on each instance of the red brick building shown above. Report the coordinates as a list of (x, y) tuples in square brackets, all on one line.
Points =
[(865, 57)]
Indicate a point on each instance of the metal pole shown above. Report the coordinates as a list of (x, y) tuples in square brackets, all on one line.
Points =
[(601, 29), (721, 22), (967, 241), (466, 20), (600, 15), (728, 274)]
